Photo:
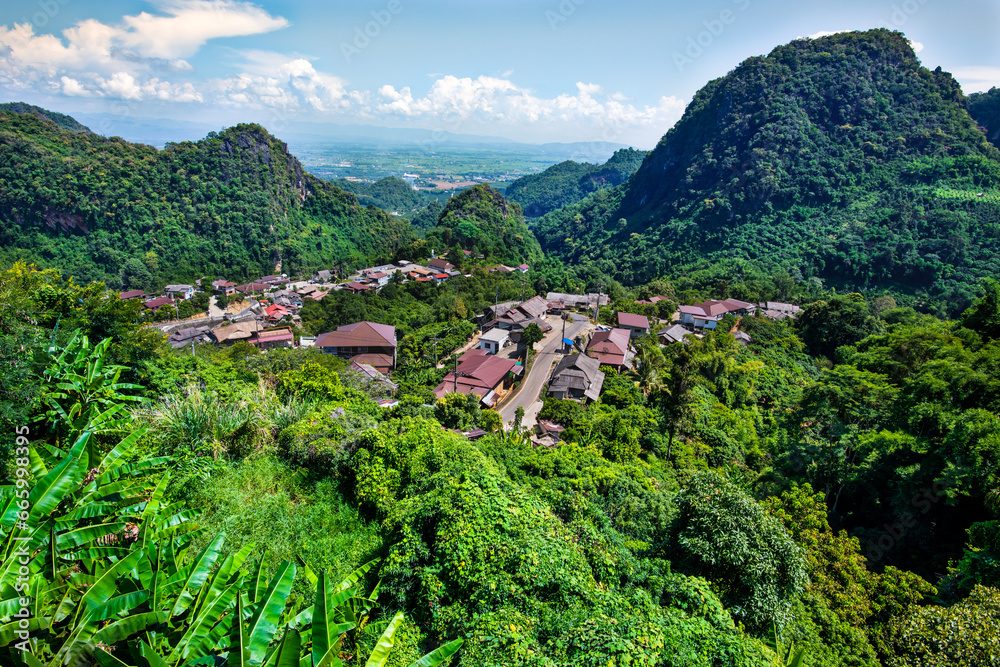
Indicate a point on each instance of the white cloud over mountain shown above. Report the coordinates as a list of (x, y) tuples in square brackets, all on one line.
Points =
[(144, 58)]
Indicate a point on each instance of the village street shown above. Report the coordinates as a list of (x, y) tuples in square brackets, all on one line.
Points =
[(538, 375)]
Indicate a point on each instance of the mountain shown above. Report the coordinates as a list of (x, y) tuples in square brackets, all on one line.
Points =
[(391, 193), (569, 182), (480, 219), (235, 204), (61, 120), (985, 110), (839, 158)]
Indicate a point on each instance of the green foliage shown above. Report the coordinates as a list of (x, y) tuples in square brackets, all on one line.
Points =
[(569, 182), (481, 220), (83, 392), (985, 110), (965, 634), (770, 166), (983, 316), (532, 334), (232, 204), (724, 535)]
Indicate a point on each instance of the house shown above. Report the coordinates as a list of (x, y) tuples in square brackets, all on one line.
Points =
[(523, 268), (440, 277), (273, 281), (379, 278), (706, 315), (184, 337), (482, 374), (223, 287), (742, 337), (577, 377), (517, 330), (251, 288), (132, 294), (533, 308), (776, 310), (551, 429), (578, 300), (637, 325), (155, 304), (494, 340), (357, 288), (268, 339), (232, 333), (364, 342), (674, 334), (440, 264), (179, 291), (305, 290), (493, 312), (276, 313), (611, 348), (372, 377), (289, 302), (323, 276)]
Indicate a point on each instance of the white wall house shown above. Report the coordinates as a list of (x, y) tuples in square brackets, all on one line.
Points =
[(494, 340)]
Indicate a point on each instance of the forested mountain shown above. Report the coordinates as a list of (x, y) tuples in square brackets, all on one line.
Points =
[(480, 219), (235, 203), (839, 158), (985, 110), (569, 182), (60, 119)]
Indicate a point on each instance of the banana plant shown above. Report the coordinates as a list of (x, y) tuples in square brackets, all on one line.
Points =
[(788, 656), (83, 392)]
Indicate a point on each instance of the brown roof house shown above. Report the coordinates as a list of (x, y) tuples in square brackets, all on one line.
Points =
[(155, 304), (363, 342), (132, 294), (578, 377), (637, 325), (482, 374), (611, 348), (706, 315)]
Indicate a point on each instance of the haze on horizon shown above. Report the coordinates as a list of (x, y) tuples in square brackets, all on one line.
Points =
[(530, 71)]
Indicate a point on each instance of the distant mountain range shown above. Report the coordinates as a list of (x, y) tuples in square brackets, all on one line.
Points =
[(160, 131), (839, 158)]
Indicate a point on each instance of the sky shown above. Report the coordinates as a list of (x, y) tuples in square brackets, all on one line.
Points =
[(529, 70)]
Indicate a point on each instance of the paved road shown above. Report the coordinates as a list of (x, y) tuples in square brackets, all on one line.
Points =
[(531, 386)]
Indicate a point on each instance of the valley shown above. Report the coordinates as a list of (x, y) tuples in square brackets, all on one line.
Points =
[(279, 400)]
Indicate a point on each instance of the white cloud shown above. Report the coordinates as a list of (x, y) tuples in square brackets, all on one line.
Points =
[(917, 46), (460, 103), (138, 44), (121, 85), (825, 33), (73, 88), (191, 23), (977, 78)]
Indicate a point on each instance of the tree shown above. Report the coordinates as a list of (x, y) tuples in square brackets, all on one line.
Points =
[(532, 334), (724, 535), (983, 316)]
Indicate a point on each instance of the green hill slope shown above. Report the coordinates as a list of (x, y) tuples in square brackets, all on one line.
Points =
[(235, 203), (985, 110), (569, 182), (480, 219), (838, 158), (61, 120)]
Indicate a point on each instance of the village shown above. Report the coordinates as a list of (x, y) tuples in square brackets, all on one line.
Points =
[(520, 352)]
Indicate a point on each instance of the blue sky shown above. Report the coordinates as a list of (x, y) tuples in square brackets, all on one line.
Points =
[(535, 71)]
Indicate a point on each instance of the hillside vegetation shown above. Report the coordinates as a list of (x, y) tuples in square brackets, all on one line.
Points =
[(985, 110), (569, 182), (840, 159), (235, 203), (483, 221)]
